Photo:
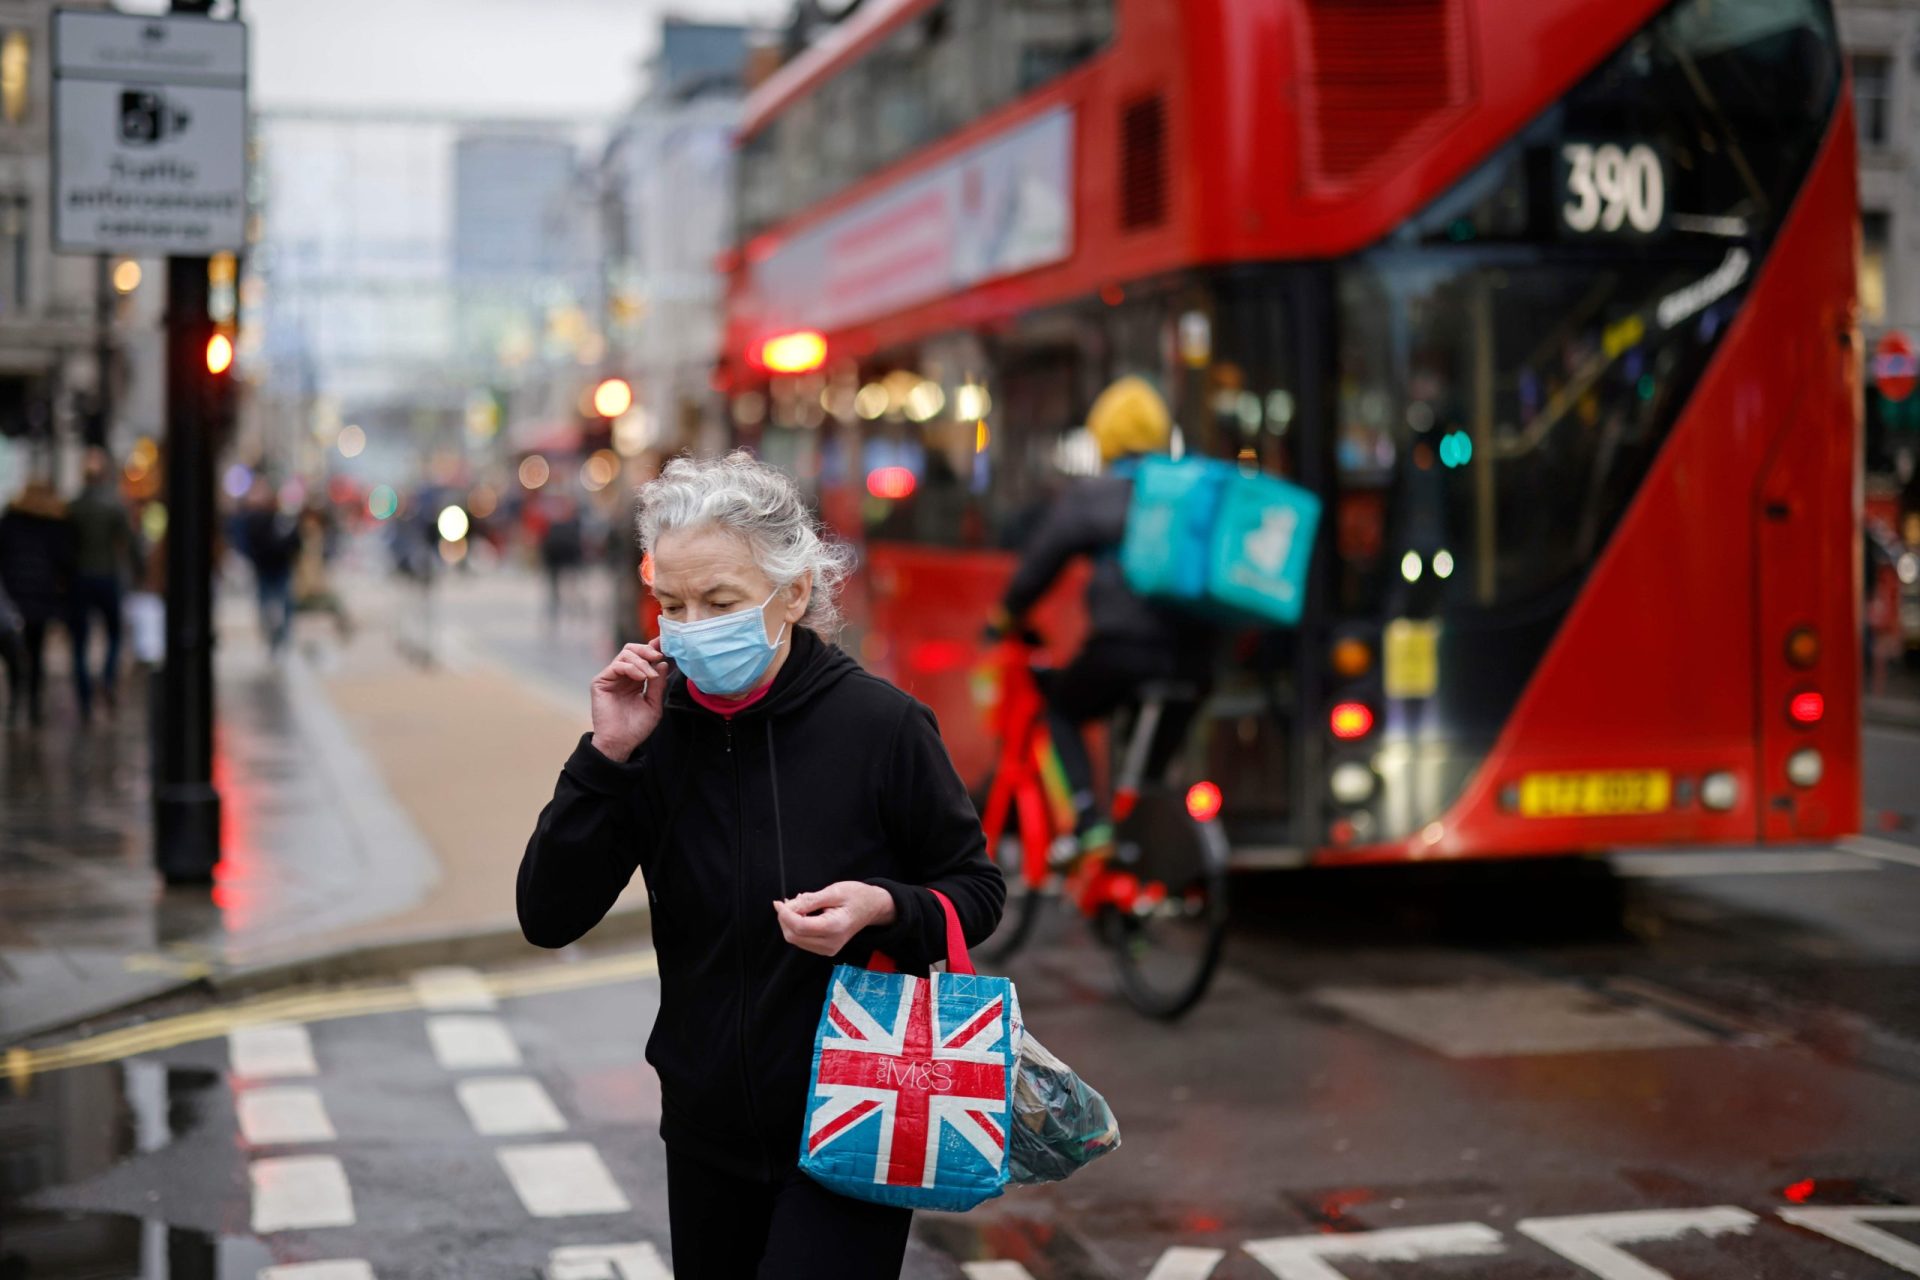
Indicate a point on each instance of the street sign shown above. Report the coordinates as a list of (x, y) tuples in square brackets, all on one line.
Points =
[(1894, 367), (150, 133)]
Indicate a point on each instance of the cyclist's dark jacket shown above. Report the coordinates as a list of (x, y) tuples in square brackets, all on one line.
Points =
[(1089, 518), (834, 775)]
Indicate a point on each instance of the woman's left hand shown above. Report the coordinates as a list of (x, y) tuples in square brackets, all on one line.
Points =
[(824, 920)]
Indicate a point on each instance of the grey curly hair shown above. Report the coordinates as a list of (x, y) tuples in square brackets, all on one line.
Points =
[(760, 504)]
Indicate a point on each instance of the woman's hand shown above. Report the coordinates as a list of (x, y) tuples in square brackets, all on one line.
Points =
[(626, 700), (824, 920)]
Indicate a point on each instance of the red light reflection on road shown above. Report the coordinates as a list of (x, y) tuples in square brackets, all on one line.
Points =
[(236, 877)]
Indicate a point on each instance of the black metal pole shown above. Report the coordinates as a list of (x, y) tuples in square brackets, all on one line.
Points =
[(186, 808), (100, 429)]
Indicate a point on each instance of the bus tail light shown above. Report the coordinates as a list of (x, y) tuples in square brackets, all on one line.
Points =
[(1352, 658), (1203, 801), (1805, 767), (1350, 720), (1351, 783), (1806, 707), (1803, 647), (1720, 791)]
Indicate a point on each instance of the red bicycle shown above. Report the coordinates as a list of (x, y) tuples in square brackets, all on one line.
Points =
[(1157, 898)]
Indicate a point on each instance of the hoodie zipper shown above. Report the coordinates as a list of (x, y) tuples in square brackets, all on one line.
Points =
[(740, 938)]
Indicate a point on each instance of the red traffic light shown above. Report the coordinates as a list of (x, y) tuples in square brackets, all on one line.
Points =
[(219, 353)]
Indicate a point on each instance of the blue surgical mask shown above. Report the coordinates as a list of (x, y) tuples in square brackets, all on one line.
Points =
[(724, 655)]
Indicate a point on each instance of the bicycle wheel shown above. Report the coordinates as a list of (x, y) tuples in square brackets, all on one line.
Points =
[(1167, 948)]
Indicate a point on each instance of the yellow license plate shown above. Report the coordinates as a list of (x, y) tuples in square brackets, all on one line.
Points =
[(1601, 793)]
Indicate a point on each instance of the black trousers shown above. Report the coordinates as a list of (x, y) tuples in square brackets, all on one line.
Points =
[(730, 1228), (1101, 679)]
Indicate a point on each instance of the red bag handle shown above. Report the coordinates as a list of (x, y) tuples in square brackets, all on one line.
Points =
[(958, 961)]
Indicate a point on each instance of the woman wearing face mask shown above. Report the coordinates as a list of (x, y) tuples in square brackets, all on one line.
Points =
[(784, 808)]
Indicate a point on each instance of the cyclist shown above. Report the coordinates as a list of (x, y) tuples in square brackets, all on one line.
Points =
[(1130, 641)]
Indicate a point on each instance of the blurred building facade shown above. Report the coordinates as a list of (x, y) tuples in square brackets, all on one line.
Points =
[(66, 332), (1882, 42), (667, 179)]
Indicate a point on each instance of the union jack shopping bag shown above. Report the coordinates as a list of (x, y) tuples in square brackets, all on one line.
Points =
[(911, 1083)]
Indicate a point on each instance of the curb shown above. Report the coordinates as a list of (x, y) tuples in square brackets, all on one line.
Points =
[(388, 956), (370, 960)]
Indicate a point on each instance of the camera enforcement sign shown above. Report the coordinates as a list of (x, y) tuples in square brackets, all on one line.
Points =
[(150, 133)]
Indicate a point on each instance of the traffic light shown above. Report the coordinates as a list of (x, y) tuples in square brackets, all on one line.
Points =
[(219, 354)]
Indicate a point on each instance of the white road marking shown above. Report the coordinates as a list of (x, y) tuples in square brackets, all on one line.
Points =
[(562, 1180), (1592, 1240), (1882, 849), (1849, 1226), (278, 1116), (607, 1262), (271, 1050), (1300, 1257), (452, 987), (336, 1269), (509, 1106), (995, 1271), (295, 1193), (1783, 862), (1487, 1020), (1185, 1262), (470, 1042)]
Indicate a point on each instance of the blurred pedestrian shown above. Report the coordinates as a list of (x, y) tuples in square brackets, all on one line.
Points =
[(269, 540), (36, 569), (313, 590), (104, 553), (563, 551), (682, 779)]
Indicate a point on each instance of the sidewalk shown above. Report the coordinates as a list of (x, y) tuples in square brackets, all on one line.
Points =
[(374, 811)]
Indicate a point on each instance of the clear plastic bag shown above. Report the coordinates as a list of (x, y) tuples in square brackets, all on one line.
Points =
[(1060, 1122)]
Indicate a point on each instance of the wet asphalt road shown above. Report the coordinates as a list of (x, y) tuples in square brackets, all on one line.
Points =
[(1455, 1070), (1701, 1066)]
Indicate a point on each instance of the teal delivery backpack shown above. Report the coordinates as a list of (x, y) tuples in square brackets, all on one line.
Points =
[(1207, 536)]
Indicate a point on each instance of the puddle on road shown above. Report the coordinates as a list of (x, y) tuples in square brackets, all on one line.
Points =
[(66, 1126), (39, 1245)]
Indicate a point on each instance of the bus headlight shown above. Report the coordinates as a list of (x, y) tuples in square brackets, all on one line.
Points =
[(1720, 791), (1805, 767), (1351, 782)]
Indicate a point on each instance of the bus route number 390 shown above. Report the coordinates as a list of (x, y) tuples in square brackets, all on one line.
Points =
[(1613, 189)]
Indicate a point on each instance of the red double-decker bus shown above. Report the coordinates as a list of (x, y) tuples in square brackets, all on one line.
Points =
[(1552, 301)]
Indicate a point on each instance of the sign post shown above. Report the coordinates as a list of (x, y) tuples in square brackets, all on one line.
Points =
[(150, 128)]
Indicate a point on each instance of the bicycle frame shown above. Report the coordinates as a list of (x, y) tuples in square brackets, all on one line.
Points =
[(1018, 719)]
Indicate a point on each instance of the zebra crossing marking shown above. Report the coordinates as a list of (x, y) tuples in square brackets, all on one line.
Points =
[(562, 1180), (271, 1050), (332, 1269), (1848, 1226), (509, 1106), (298, 1193), (471, 1042), (283, 1115), (639, 1261)]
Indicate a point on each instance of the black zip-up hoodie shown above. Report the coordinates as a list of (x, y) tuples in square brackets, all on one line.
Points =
[(834, 775)]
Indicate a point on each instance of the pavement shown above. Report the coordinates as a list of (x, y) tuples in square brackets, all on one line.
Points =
[(376, 800)]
